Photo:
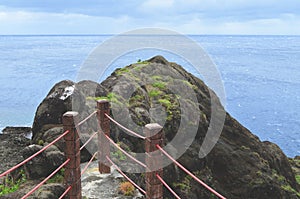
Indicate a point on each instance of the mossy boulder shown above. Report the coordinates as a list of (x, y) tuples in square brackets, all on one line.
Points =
[(239, 166)]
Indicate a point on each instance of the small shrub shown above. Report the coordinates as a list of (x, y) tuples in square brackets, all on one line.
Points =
[(58, 177), (126, 188), (139, 61), (290, 189), (10, 185), (244, 148), (112, 97), (122, 70), (165, 103), (298, 179), (154, 93), (119, 155), (189, 84), (156, 77), (41, 142), (159, 84), (259, 173)]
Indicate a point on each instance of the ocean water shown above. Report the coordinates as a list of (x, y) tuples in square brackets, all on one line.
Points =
[(261, 76)]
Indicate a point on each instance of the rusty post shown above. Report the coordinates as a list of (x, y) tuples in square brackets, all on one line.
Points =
[(103, 143), (154, 160), (72, 174)]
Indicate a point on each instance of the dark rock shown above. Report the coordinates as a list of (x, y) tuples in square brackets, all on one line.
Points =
[(49, 191), (159, 59), (62, 97), (17, 130), (295, 163), (239, 166), (12, 141), (91, 89), (53, 133), (44, 164)]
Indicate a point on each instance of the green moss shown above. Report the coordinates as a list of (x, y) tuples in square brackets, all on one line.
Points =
[(290, 189), (166, 103), (189, 84), (10, 185), (139, 61), (259, 173), (154, 93), (156, 77), (137, 98), (281, 178), (278, 177), (185, 185), (111, 97), (41, 142), (297, 178), (58, 177), (122, 71), (244, 148), (119, 155), (159, 84)]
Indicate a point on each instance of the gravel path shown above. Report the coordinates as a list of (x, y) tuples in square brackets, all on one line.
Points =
[(98, 186)]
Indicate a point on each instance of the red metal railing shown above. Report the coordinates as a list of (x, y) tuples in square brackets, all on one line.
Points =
[(189, 173), (34, 155), (154, 140)]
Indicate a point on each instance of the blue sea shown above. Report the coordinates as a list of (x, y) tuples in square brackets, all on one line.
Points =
[(261, 76)]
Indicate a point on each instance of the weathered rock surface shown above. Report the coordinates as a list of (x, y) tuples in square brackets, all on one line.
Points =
[(57, 102), (12, 141), (239, 166), (44, 164)]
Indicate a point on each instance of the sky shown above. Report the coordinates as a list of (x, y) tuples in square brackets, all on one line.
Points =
[(258, 17)]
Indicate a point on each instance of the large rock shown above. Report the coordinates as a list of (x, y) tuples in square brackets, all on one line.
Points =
[(239, 166), (49, 191), (66, 96), (44, 164), (57, 102)]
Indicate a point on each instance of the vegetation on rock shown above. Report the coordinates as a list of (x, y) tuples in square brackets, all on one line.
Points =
[(127, 189)]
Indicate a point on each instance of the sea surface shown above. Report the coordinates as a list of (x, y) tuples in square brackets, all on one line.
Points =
[(261, 76)]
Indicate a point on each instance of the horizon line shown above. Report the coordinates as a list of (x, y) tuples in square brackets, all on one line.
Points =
[(111, 34)]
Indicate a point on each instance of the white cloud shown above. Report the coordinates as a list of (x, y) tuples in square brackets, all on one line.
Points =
[(21, 22), (15, 21)]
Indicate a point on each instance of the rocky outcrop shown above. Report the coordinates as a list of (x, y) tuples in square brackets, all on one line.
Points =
[(239, 166), (57, 102), (12, 141), (65, 96)]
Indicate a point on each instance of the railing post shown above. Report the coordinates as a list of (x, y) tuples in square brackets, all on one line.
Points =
[(72, 174), (155, 135), (103, 143)]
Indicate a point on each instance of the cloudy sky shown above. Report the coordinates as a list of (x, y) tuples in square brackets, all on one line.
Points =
[(117, 16)]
